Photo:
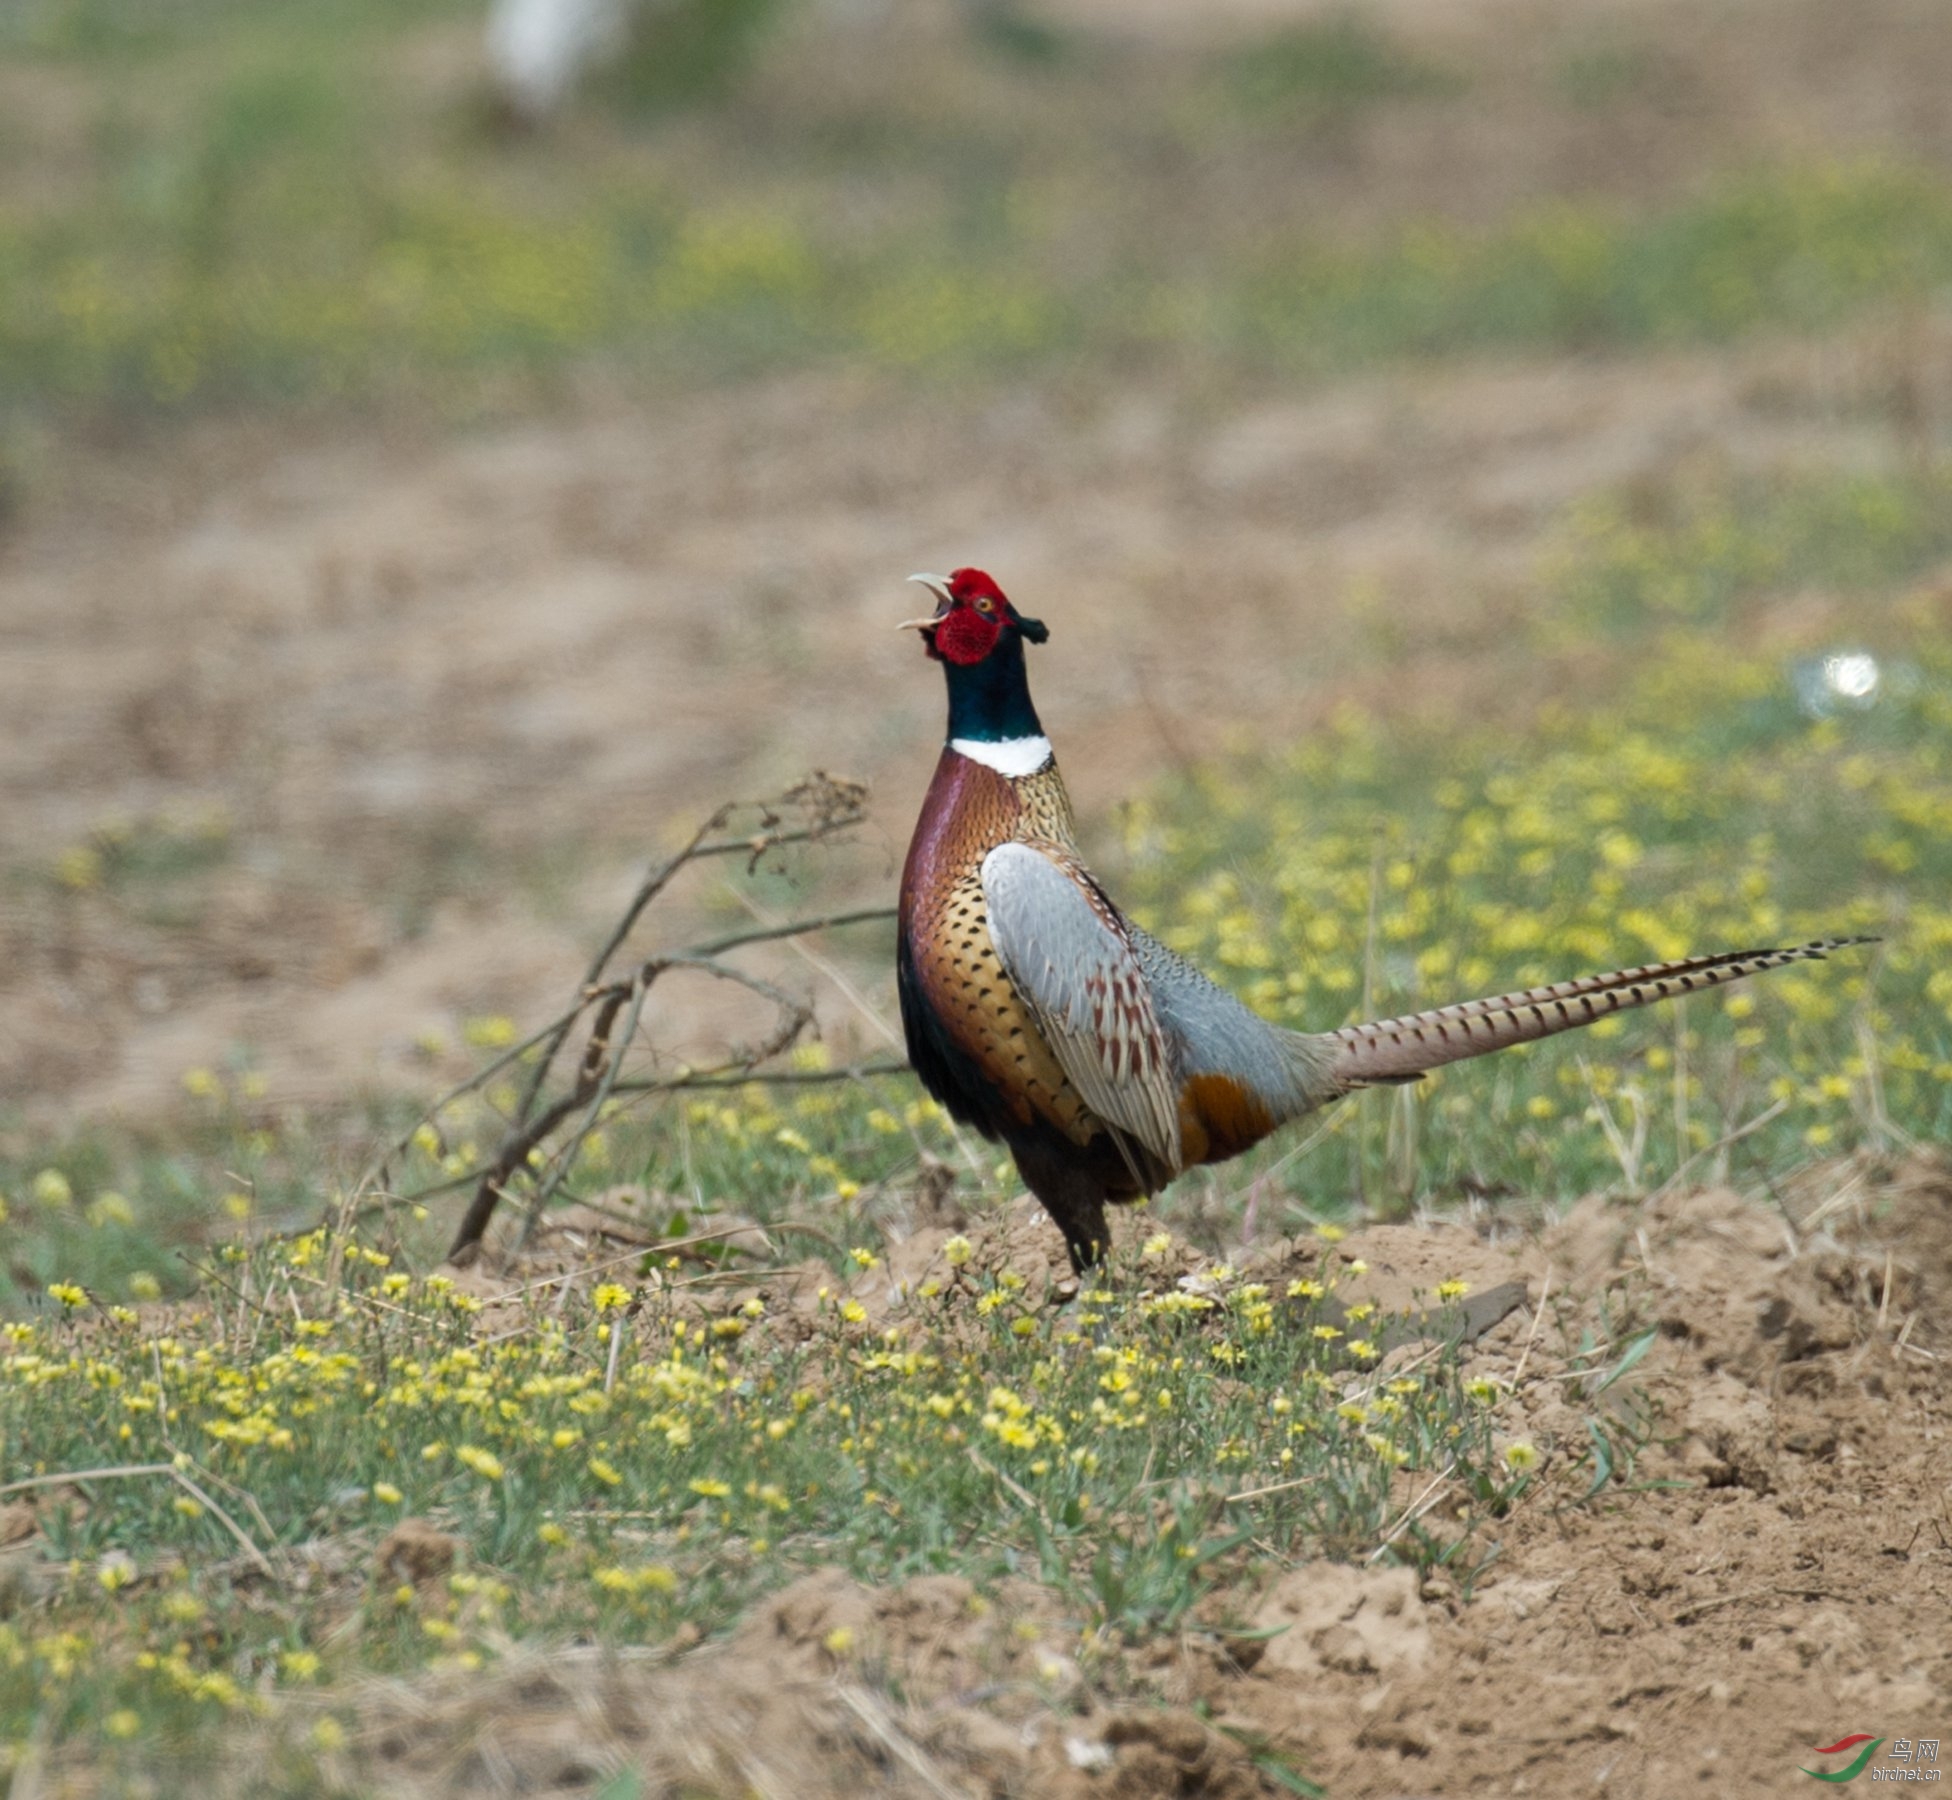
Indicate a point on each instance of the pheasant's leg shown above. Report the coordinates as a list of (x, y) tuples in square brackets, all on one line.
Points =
[(1087, 1237), (1075, 1200)]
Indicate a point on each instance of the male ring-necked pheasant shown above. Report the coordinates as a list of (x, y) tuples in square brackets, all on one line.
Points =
[(1038, 1014)]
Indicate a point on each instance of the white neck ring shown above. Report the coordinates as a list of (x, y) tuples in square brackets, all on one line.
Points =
[(1014, 757)]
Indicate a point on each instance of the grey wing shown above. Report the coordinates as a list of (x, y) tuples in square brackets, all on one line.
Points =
[(1071, 958)]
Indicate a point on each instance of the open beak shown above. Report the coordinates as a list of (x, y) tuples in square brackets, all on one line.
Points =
[(940, 589)]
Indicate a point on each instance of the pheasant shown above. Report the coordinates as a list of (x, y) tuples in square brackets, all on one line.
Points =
[(1038, 1014)]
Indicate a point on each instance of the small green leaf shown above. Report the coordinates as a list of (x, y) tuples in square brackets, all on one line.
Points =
[(1637, 1346)]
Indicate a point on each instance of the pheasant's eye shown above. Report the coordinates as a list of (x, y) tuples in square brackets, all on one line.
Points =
[(984, 604)]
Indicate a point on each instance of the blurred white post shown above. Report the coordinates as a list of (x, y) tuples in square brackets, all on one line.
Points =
[(540, 49)]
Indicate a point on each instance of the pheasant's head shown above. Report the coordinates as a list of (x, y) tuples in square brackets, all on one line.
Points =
[(972, 617)]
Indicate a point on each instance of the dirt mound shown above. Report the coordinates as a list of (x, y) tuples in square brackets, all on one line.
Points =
[(1765, 1567), (1769, 1574), (829, 1689)]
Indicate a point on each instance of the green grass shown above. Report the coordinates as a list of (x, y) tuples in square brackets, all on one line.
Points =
[(1626, 565), (972, 1430), (1800, 248), (270, 207), (234, 285), (1710, 797), (1330, 68)]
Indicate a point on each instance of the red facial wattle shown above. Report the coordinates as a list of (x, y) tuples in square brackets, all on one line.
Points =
[(964, 635)]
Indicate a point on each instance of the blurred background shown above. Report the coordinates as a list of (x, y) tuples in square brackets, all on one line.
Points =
[(1483, 465)]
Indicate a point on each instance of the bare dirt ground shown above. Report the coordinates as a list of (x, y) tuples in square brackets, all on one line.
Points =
[(443, 697), (1771, 1574)]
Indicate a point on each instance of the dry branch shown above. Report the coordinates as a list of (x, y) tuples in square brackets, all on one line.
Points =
[(614, 1005)]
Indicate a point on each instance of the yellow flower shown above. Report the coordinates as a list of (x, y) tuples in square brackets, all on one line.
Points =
[(957, 1251), (839, 1641), (386, 1493), (647, 1578), (1521, 1455), (68, 1293), (610, 1296), (866, 1258), (710, 1489), (111, 1209), (1159, 1244), (484, 1463), (299, 1665), (79, 866), (492, 1031), (122, 1723), (50, 1189), (604, 1472), (1452, 1290)]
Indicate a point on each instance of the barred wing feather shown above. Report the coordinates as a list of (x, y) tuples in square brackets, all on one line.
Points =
[(1071, 957)]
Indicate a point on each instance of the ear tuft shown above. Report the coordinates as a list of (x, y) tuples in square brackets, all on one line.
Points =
[(1034, 629)]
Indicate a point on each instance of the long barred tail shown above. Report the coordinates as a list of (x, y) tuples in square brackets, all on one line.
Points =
[(1391, 1050)]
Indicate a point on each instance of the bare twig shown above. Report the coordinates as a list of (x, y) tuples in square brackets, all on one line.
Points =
[(1414, 1511), (1698, 1608), (600, 1072), (1277, 1487), (731, 1076), (609, 1060), (896, 1744), (762, 934), (75, 1477), (1766, 1116), (827, 807), (1531, 1336)]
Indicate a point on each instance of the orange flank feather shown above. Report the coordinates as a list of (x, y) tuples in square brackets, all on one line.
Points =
[(1219, 1118)]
